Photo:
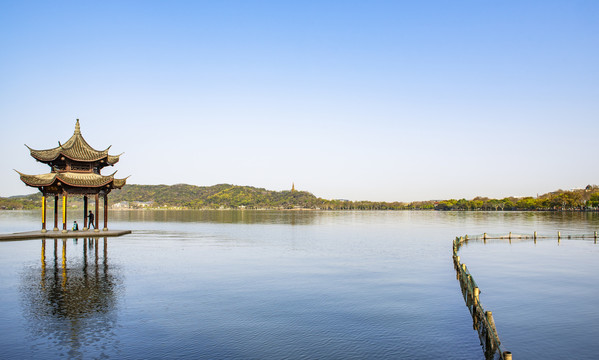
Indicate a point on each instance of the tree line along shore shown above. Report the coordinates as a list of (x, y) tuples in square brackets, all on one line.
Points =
[(225, 196)]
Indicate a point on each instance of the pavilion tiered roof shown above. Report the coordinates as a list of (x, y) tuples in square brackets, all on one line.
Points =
[(75, 166), (77, 149)]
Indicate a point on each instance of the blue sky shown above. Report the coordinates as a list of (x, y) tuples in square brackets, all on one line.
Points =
[(360, 100)]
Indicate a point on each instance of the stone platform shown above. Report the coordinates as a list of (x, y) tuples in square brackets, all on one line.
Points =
[(30, 235)]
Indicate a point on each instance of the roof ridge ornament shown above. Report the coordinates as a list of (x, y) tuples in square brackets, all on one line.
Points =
[(77, 128)]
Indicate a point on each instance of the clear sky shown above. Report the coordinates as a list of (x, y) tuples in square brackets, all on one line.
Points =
[(359, 100)]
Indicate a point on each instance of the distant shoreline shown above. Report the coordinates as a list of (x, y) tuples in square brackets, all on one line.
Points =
[(235, 197), (77, 208)]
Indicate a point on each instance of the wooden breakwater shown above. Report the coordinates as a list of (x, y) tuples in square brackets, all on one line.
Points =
[(534, 236), (482, 320)]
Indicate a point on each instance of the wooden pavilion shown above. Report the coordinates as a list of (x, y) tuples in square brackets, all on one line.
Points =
[(76, 170)]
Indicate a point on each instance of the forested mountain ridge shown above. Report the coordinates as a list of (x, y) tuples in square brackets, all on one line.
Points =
[(226, 196), (216, 196)]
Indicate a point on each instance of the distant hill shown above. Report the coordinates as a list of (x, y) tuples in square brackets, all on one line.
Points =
[(216, 196), (226, 196)]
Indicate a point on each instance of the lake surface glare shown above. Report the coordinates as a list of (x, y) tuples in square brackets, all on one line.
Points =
[(298, 285)]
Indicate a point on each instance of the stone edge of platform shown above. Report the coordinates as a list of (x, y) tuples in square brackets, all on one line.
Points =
[(32, 235)]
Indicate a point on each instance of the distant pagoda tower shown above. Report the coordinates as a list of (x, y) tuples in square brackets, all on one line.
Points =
[(76, 170), (292, 187)]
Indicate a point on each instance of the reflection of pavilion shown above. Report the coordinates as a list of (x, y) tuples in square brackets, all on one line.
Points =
[(72, 303)]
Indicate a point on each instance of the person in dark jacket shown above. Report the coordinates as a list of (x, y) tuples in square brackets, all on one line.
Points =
[(91, 219)]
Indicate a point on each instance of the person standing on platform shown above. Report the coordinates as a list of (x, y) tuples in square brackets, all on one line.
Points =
[(91, 219)]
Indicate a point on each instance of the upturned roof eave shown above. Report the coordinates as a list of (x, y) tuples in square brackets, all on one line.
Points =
[(36, 155), (66, 181)]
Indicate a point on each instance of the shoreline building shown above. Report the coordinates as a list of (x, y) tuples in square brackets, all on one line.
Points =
[(76, 171)]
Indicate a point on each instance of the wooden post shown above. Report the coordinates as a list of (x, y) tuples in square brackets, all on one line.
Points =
[(535, 235), (105, 212), (44, 213), (468, 294), (507, 355), (559, 235), (55, 213), (96, 215), (510, 235), (64, 212), (84, 212), (492, 330), (484, 236), (476, 295)]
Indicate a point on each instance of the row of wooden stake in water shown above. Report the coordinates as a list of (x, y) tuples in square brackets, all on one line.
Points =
[(535, 236), (482, 320)]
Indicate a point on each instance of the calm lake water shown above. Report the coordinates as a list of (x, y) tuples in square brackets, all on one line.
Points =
[(298, 285)]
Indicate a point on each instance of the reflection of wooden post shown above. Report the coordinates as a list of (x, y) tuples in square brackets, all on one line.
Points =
[(105, 262), (43, 213), (43, 254), (96, 215), (96, 253), (64, 264), (85, 257), (64, 212), (64, 253), (55, 212), (84, 212), (43, 279), (105, 212)]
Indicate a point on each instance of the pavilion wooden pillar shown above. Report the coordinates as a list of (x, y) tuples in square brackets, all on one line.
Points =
[(96, 215), (56, 212), (64, 212), (84, 212), (44, 212), (105, 212)]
